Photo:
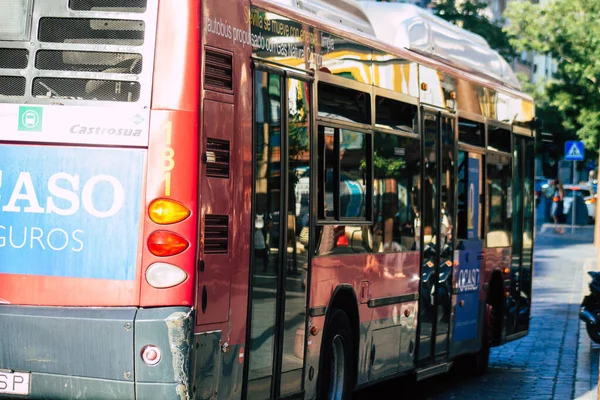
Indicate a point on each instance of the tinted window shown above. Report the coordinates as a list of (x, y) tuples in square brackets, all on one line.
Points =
[(469, 213), (353, 174), (343, 103), (344, 168), (471, 132), (499, 188), (397, 170), (395, 114), (499, 139)]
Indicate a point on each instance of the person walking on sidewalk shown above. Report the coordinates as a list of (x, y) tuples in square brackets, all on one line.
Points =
[(559, 196)]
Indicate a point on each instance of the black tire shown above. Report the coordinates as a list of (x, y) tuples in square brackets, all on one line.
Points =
[(337, 333), (593, 332)]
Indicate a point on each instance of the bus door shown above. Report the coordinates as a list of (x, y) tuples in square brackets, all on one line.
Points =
[(519, 302), (280, 215), (469, 239), (437, 224)]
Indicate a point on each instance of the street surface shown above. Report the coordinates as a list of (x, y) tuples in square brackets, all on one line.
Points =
[(555, 361)]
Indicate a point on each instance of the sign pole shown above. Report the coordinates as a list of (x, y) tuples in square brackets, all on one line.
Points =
[(573, 202), (574, 151)]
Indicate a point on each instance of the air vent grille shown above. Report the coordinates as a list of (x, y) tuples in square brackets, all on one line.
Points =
[(92, 31), (217, 158), (216, 234), (218, 71), (81, 51), (12, 86), (13, 58), (89, 61)]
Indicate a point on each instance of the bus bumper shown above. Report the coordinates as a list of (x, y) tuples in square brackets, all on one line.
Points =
[(94, 353)]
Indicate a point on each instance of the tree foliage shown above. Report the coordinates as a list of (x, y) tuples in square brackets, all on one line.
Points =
[(568, 31), (470, 15)]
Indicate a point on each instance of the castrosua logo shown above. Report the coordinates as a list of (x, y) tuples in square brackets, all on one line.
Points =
[(30, 119)]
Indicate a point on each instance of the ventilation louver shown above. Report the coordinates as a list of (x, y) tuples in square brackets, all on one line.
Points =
[(218, 71), (217, 158), (216, 233)]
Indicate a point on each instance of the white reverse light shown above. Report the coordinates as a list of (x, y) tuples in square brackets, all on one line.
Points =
[(163, 275)]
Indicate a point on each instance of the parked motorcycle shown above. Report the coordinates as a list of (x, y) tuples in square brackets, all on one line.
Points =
[(590, 308)]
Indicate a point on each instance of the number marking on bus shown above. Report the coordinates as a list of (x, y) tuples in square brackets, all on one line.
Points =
[(168, 159)]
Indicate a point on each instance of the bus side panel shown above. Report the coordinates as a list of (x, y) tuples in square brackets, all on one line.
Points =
[(214, 278), (222, 369), (176, 64), (386, 330)]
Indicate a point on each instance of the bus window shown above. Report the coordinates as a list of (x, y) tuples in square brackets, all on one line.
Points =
[(353, 174), (344, 160), (397, 168), (468, 216), (327, 162), (471, 132), (344, 104), (499, 139), (395, 114), (499, 188)]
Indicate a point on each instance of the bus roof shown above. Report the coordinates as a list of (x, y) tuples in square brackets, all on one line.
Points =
[(408, 27), (337, 12), (414, 28)]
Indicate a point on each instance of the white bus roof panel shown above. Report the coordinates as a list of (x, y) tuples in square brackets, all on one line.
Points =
[(346, 13), (414, 28)]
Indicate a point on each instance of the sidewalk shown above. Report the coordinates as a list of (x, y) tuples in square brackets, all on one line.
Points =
[(577, 244)]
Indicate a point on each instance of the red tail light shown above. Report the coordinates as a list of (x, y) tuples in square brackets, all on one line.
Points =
[(342, 240), (555, 199), (590, 201), (165, 243)]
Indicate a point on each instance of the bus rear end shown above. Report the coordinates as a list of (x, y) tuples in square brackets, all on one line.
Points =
[(96, 261)]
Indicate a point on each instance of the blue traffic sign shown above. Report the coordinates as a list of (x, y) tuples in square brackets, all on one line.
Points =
[(574, 150)]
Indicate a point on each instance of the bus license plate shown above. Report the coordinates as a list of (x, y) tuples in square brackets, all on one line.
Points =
[(14, 383)]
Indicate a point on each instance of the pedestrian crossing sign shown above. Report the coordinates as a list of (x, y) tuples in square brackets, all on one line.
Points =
[(574, 150)]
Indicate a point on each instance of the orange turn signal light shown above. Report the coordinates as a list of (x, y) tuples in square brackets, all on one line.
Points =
[(506, 270), (165, 243), (167, 211)]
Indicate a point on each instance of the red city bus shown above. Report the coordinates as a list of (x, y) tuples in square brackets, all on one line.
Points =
[(255, 199)]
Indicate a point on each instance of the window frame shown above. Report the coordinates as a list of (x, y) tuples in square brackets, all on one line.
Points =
[(320, 182), (402, 133), (488, 192)]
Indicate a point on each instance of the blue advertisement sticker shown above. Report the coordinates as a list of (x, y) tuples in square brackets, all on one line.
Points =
[(468, 279), (72, 212)]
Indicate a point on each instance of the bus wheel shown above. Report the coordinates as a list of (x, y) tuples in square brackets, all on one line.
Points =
[(336, 368)]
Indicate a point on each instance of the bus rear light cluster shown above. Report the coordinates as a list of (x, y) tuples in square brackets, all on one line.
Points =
[(165, 243), (151, 354), (163, 275), (167, 211)]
